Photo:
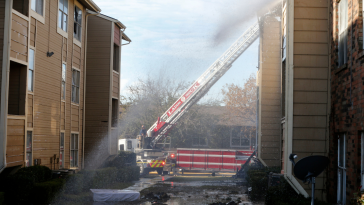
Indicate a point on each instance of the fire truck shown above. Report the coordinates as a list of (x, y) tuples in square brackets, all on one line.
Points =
[(151, 155)]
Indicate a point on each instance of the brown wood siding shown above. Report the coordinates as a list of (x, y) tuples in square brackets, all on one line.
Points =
[(115, 85), (65, 49), (310, 85), (76, 56), (15, 142), (98, 89), (51, 115), (19, 38), (30, 111), (116, 35), (75, 119), (63, 116), (32, 32), (270, 92)]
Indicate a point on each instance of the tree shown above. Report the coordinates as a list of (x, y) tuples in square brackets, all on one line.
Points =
[(241, 102)]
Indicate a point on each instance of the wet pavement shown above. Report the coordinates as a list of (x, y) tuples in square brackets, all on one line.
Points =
[(190, 190)]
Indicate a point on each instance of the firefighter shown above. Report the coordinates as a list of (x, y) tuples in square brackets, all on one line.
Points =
[(143, 134)]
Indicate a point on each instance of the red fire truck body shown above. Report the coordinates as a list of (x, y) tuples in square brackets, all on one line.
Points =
[(211, 159)]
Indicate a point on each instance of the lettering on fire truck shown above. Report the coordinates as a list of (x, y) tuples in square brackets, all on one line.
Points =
[(183, 99)]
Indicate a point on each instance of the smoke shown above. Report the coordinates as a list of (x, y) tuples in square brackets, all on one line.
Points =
[(239, 14)]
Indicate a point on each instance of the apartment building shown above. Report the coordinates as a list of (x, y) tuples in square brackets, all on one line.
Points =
[(43, 48), (306, 90), (346, 167), (104, 43), (294, 89), (269, 89)]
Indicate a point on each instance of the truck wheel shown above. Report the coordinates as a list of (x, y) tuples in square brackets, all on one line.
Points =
[(145, 171)]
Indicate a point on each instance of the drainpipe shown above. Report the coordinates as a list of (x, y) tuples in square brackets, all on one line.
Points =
[(84, 90), (5, 81)]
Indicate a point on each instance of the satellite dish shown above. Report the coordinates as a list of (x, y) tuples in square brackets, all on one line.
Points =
[(311, 166), (308, 168)]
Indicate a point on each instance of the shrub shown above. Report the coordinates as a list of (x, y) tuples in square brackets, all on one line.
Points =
[(2, 198), (284, 194), (45, 192), (74, 184), (100, 178), (38, 173), (128, 174), (123, 159), (258, 180)]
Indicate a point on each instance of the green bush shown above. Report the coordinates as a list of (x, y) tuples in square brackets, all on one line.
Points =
[(19, 186), (123, 159), (128, 174), (38, 173), (100, 178), (258, 180), (45, 192), (284, 194), (74, 184), (2, 198)]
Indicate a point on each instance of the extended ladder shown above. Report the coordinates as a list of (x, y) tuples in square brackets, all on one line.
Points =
[(202, 85)]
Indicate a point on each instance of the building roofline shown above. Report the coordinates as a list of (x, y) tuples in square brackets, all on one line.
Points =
[(121, 25), (90, 5)]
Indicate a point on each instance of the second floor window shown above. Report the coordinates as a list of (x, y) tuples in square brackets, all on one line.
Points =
[(343, 32), (63, 14), (63, 81), (78, 24), (37, 6), (75, 86), (31, 70)]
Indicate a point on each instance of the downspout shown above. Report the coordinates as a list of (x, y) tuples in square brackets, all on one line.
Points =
[(84, 92), (5, 81)]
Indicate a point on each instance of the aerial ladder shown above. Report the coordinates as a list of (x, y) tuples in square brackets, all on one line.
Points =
[(201, 86)]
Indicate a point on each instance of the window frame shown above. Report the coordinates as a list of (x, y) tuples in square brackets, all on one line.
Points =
[(73, 150), (28, 162), (31, 70), (36, 15), (63, 81), (76, 40), (77, 87), (61, 150), (341, 170), (342, 33), (60, 29)]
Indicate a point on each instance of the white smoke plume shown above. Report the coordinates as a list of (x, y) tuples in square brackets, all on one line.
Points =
[(241, 13)]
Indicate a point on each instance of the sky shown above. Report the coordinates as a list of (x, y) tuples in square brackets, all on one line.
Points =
[(183, 38)]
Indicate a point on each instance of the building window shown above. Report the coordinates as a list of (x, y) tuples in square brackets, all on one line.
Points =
[(77, 30), (343, 32), (37, 6), (63, 81), (240, 137), (63, 14), (74, 150), (31, 70), (130, 145), (341, 171), (199, 140), (29, 148), (75, 86), (61, 151), (116, 58), (114, 113)]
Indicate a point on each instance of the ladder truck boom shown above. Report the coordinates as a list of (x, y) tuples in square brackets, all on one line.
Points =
[(202, 85)]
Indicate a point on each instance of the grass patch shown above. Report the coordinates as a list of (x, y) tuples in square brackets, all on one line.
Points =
[(193, 179)]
